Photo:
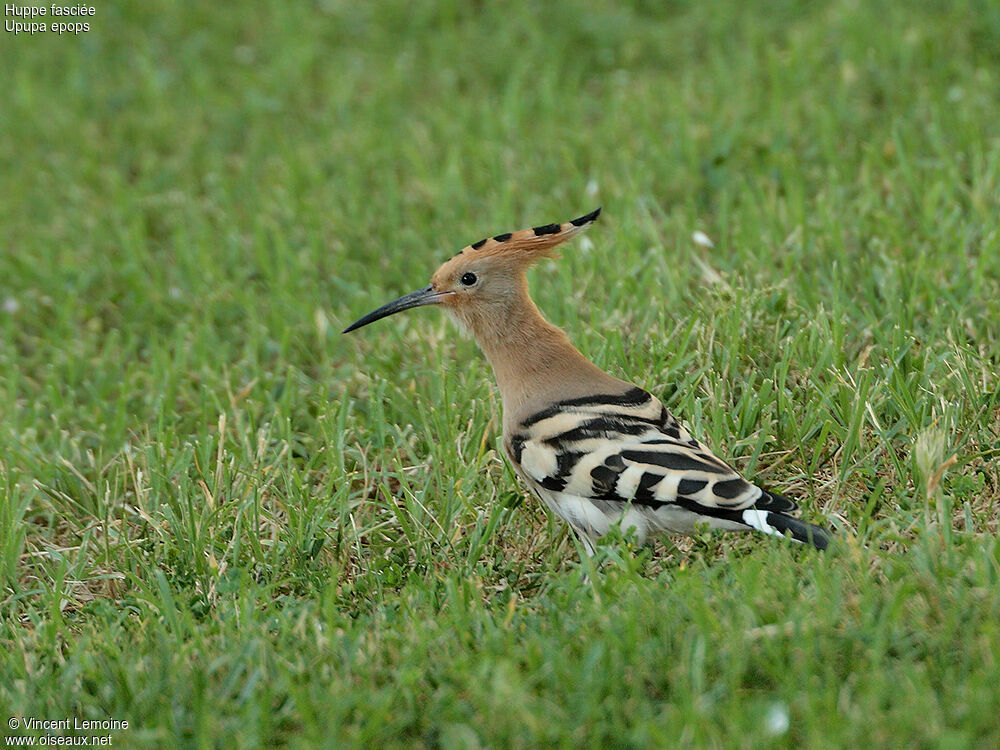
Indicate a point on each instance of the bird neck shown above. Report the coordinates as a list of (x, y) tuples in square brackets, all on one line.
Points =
[(535, 364)]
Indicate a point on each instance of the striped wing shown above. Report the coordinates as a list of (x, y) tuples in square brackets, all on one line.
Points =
[(629, 448)]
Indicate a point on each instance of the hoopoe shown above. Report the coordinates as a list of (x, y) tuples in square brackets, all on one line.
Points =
[(595, 449)]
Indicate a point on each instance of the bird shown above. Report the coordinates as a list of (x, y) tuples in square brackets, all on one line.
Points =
[(596, 450)]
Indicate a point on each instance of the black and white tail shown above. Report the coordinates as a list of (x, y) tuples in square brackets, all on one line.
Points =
[(778, 524)]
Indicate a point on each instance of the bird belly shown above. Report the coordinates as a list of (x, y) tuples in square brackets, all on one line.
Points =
[(677, 520), (590, 518), (594, 518)]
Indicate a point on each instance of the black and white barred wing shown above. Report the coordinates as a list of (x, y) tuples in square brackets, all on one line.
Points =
[(629, 448)]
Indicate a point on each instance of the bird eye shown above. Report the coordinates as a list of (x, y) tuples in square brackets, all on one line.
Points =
[(468, 279)]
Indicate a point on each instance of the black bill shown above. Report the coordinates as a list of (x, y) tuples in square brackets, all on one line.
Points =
[(425, 296)]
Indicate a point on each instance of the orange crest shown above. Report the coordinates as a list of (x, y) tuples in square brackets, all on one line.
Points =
[(529, 245)]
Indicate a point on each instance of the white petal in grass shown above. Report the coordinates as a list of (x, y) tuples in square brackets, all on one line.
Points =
[(321, 322), (776, 719), (700, 238), (592, 188), (11, 305)]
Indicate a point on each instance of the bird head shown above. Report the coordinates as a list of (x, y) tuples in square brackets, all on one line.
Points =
[(480, 284)]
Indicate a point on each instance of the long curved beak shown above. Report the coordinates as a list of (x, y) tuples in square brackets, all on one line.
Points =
[(425, 296)]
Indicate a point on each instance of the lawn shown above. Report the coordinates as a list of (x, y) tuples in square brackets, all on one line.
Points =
[(225, 523)]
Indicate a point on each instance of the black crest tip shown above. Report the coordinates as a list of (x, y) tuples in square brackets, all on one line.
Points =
[(588, 218)]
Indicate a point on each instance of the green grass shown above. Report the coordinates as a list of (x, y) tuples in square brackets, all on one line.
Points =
[(230, 526)]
